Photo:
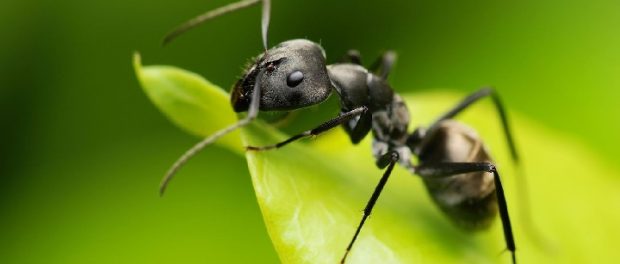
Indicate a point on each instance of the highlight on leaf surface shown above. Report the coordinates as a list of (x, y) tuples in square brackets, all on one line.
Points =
[(311, 193)]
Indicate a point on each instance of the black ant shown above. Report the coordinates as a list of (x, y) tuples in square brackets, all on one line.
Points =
[(453, 162)]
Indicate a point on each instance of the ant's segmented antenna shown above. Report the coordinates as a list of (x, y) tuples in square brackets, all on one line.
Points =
[(252, 113), (194, 22), (265, 21), (253, 109)]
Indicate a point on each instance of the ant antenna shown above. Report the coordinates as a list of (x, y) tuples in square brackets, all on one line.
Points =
[(252, 113), (253, 109), (265, 21), (194, 22)]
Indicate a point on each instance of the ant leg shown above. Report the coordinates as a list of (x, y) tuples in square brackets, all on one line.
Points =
[(389, 160), (439, 170), (358, 130), (468, 101), (522, 186), (252, 113), (383, 65), (317, 130), (352, 56)]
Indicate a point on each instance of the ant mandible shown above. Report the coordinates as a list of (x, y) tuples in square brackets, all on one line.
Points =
[(455, 166)]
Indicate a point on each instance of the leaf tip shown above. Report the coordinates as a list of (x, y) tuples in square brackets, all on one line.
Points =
[(137, 61)]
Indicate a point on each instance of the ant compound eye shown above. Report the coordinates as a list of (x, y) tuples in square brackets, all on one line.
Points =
[(294, 78)]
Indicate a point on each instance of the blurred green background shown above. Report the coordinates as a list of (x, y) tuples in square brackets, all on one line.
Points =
[(82, 149)]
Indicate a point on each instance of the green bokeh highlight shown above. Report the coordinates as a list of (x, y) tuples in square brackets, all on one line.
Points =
[(82, 149)]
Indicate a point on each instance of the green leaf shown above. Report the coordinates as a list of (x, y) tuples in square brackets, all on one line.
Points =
[(311, 193), (188, 100)]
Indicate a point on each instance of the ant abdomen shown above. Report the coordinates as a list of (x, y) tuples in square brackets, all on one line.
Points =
[(468, 199)]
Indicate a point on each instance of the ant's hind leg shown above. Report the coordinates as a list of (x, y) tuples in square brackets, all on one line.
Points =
[(468, 101), (442, 170), (522, 183)]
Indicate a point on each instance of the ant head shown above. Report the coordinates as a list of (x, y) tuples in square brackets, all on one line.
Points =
[(292, 75)]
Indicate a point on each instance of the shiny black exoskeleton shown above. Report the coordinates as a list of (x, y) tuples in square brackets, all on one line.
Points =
[(453, 162)]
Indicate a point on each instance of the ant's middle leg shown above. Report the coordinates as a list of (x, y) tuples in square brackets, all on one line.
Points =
[(387, 160), (383, 65)]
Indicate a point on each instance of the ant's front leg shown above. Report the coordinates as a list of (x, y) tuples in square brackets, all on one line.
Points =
[(352, 56), (317, 130), (381, 67)]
